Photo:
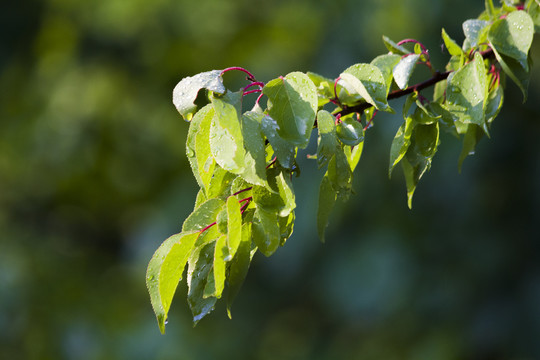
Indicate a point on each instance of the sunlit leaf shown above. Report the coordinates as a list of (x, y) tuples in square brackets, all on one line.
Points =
[(512, 36), (165, 272), (467, 91), (474, 31), (404, 69), (234, 225), (204, 215), (393, 47), (226, 140), (292, 103), (324, 86), (453, 48), (265, 231), (368, 81), (386, 64), (255, 159), (186, 91)]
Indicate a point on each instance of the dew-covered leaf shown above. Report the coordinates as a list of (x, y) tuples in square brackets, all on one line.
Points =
[(204, 215), (327, 200), (340, 175), (474, 31), (466, 92), (165, 272), (200, 266), (512, 36), (220, 182), (404, 69), (327, 143), (367, 81), (386, 64), (216, 279), (186, 91), (283, 149), (193, 153), (292, 103), (255, 158), (350, 131), (265, 231), (226, 140)]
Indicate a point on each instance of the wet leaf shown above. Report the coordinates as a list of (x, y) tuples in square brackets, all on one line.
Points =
[(327, 200), (327, 143), (367, 81), (204, 215), (265, 231), (292, 103), (186, 91), (200, 266), (404, 69), (165, 272)]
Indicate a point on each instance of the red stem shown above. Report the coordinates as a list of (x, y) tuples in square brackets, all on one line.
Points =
[(250, 75)]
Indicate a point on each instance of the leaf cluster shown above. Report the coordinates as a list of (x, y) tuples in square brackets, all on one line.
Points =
[(244, 159)]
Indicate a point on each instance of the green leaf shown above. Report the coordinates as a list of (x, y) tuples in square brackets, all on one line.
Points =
[(401, 143), (255, 158), (204, 215), (472, 137), (512, 36), (165, 272), (386, 64), (515, 71), (467, 91), (534, 12), (340, 175), (327, 143), (200, 266), (327, 200), (324, 86), (284, 150), (239, 266), (220, 182), (186, 91), (265, 231), (474, 31), (234, 224), (286, 226), (353, 154), (226, 140), (393, 47), (292, 102), (216, 279), (494, 103), (367, 81), (201, 129), (201, 197), (194, 153), (280, 198), (350, 131), (417, 160), (451, 45), (404, 69)]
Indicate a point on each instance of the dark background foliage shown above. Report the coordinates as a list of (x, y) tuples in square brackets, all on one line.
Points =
[(93, 177)]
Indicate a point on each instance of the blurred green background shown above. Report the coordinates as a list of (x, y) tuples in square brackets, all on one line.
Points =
[(93, 177)]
